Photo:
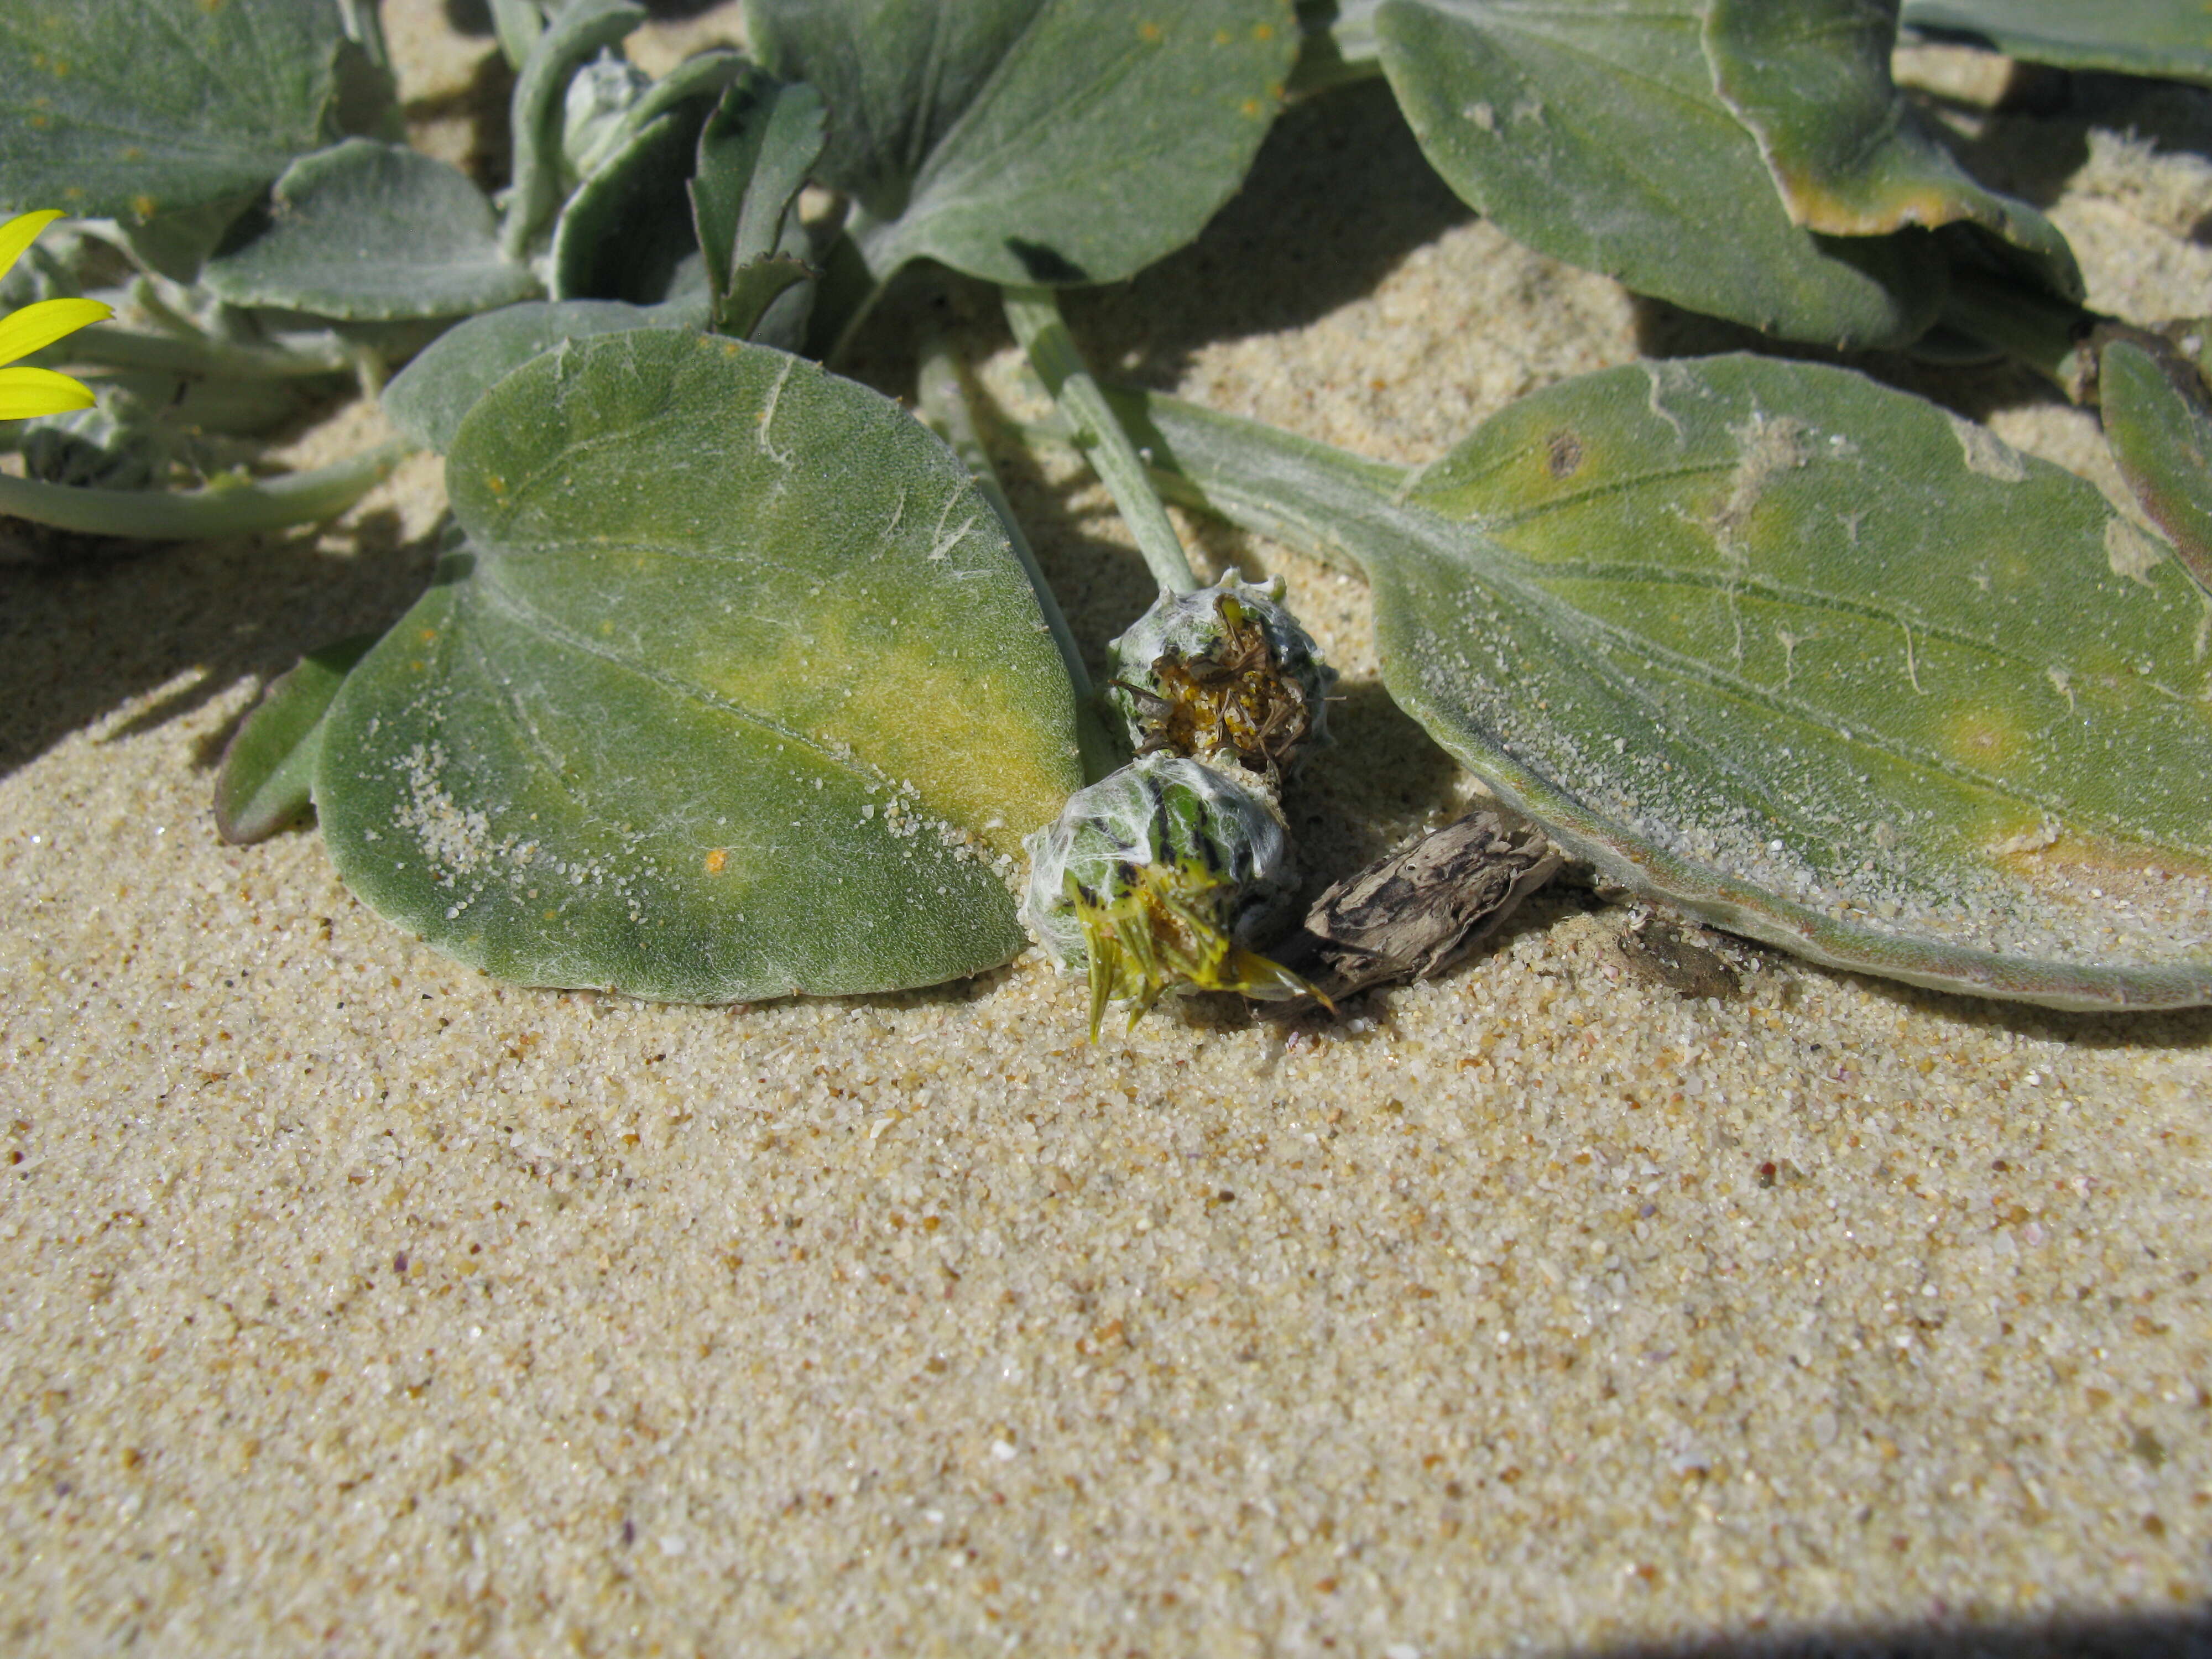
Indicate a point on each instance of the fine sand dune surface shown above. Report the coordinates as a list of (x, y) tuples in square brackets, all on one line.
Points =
[(355, 1302)]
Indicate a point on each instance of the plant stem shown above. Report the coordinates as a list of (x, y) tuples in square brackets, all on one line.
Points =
[(365, 27), (517, 24), (1035, 314), (122, 348), (2030, 328), (153, 515)]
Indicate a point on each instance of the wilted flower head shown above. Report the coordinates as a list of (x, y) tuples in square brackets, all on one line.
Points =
[(1224, 674), (27, 391), (1158, 878)]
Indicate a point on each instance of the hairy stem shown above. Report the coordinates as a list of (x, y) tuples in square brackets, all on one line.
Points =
[(2030, 328), (1035, 314), (108, 347), (154, 515)]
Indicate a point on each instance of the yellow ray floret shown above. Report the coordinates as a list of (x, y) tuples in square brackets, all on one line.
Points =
[(27, 391)]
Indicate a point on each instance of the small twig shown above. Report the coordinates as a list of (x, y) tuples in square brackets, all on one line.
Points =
[(1415, 913)]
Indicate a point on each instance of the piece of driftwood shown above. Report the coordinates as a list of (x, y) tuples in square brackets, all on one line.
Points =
[(1414, 914)]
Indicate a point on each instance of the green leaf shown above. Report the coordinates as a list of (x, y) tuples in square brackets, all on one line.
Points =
[(427, 399), (372, 232), (2167, 38), (736, 690), (1593, 134), (626, 233), (755, 154), (755, 287), (1034, 140), (1813, 659), (268, 766), (150, 106), (1850, 157), (2163, 442)]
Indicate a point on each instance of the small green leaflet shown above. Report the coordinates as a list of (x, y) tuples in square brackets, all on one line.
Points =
[(267, 778), (734, 691), (2163, 442), (1811, 658), (1034, 140), (1850, 157), (1593, 134)]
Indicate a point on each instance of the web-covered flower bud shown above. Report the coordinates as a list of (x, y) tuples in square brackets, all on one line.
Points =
[(1158, 878), (595, 116), (1222, 674)]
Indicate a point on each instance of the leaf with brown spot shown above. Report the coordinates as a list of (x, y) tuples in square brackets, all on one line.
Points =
[(1808, 659)]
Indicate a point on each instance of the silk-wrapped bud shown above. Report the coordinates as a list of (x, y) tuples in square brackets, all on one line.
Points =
[(1161, 878)]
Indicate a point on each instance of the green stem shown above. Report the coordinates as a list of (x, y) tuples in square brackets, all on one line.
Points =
[(1035, 314), (365, 27), (153, 515), (109, 347), (2030, 328), (517, 24)]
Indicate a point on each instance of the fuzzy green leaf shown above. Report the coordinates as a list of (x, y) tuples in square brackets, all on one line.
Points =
[(2170, 38), (427, 399), (576, 32), (1811, 658), (755, 154), (736, 690), (1850, 157), (269, 768), (2163, 442), (626, 233), (147, 107), (368, 231), (1593, 134), (1034, 140)]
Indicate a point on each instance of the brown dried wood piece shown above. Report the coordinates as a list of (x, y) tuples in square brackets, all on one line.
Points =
[(1418, 911)]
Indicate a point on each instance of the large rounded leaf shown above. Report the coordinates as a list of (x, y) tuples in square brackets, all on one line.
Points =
[(372, 232), (1035, 141), (143, 107), (1593, 134), (735, 691), (427, 399), (1812, 658)]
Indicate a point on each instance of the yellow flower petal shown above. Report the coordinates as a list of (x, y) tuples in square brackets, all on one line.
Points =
[(27, 391), (19, 233), (43, 324)]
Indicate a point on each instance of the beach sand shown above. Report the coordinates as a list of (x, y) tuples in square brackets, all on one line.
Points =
[(355, 1302)]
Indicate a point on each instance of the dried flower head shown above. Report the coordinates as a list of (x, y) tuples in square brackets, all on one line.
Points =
[(1222, 674)]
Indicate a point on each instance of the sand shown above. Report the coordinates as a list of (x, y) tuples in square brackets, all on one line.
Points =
[(357, 1303)]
